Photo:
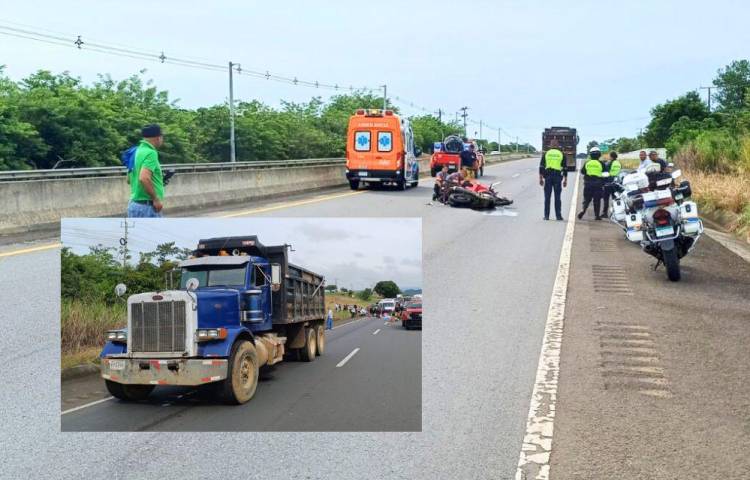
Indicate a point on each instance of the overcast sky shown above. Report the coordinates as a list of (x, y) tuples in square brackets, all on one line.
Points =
[(522, 65), (356, 252)]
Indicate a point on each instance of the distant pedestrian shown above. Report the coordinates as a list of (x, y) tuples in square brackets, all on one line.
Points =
[(468, 162), (329, 320), (146, 179)]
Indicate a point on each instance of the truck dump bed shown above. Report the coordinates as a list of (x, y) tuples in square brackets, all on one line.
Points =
[(301, 296)]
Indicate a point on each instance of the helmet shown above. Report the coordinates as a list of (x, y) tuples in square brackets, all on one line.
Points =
[(595, 153), (595, 149)]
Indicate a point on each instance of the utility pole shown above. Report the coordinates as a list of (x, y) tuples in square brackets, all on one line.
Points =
[(464, 115), (385, 96), (440, 115), (516, 144), (480, 129), (499, 143), (709, 96), (124, 242), (232, 156)]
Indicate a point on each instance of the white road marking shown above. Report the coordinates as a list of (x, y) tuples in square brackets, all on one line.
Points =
[(86, 405), (516, 175), (533, 461), (346, 359), (349, 323), (376, 332)]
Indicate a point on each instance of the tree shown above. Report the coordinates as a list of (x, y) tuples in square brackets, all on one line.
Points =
[(365, 294), (592, 144), (626, 144), (732, 86), (663, 116), (387, 289), (330, 288)]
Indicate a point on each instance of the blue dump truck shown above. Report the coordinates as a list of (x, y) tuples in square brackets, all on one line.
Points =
[(241, 305)]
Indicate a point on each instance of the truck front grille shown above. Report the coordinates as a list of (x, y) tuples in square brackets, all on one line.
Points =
[(158, 327)]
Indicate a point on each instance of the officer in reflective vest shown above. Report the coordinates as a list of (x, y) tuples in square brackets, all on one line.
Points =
[(553, 176), (612, 167), (592, 183)]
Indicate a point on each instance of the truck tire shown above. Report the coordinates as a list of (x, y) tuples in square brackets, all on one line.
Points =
[(354, 184), (320, 340), (307, 353), (130, 393), (242, 374), (672, 262)]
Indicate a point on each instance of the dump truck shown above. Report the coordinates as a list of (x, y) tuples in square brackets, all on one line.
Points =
[(240, 306), (567, 138)]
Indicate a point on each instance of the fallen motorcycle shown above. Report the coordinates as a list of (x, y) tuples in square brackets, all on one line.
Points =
[(476, 196)]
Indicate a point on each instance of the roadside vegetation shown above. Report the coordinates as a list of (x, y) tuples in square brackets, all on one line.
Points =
[(89, 306), (712, 147), (48, 118)]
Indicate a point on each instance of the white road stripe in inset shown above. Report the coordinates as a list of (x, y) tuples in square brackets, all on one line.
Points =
[(516, 175), (71, 410), (346, 359), (533, 461), (376, 332)]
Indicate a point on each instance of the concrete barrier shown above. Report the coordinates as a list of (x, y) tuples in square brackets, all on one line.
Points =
[(27, 206)]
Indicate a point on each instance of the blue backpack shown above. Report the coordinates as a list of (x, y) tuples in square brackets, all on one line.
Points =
[(128, 158)]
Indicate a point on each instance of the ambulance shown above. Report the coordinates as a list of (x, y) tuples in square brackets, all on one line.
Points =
[(380, 150)]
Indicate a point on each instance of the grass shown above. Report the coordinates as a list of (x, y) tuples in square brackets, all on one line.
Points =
[(332, 298), (82, 328)]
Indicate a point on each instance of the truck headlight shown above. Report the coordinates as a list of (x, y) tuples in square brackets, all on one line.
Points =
[(117, 336), (207, 334)]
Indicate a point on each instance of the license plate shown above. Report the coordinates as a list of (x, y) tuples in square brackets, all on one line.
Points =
[(664, 231), (117, 364), (362, 174)]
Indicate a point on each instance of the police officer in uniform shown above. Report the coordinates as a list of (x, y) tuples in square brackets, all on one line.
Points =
[(592, 183), (613, 167), (553, 176)]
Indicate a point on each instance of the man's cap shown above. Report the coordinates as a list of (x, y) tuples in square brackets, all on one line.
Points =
[(152, 130)]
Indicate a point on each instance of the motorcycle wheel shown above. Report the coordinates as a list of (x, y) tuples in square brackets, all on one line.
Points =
[(672, 263), (459, 200)]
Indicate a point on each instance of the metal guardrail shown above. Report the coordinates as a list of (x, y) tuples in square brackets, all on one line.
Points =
[(26, 175)]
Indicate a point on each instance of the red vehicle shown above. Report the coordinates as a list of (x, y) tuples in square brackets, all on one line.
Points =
[(411, 316), (449, 153), (476, 196)]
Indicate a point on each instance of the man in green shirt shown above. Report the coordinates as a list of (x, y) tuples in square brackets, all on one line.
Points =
[(146, 179)]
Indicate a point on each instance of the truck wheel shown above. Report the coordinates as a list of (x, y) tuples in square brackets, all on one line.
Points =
[(242, 374), (320, 345), (672, 262), (354, 184), (307, 353), (132, 393)]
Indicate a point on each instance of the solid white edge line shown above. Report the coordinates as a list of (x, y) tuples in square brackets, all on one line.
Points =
[(534, 459), (346, 359), (349, 323), (376, 332), (71, 410)]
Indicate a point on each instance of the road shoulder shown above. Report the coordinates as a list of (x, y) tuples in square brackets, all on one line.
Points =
[(651, 382)]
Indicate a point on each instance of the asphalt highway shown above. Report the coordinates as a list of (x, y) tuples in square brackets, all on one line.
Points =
[(487, 283), (378, 388)]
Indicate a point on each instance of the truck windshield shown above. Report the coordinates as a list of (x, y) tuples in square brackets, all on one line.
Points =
[(214, 276)]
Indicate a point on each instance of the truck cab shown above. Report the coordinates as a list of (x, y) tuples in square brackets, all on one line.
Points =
[(240, 305), (380, 149)]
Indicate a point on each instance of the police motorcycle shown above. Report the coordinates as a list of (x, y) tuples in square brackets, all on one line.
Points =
[(659, 216)]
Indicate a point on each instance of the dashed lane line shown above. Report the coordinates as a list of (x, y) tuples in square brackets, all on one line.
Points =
[(346, 359), (376, 332)]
